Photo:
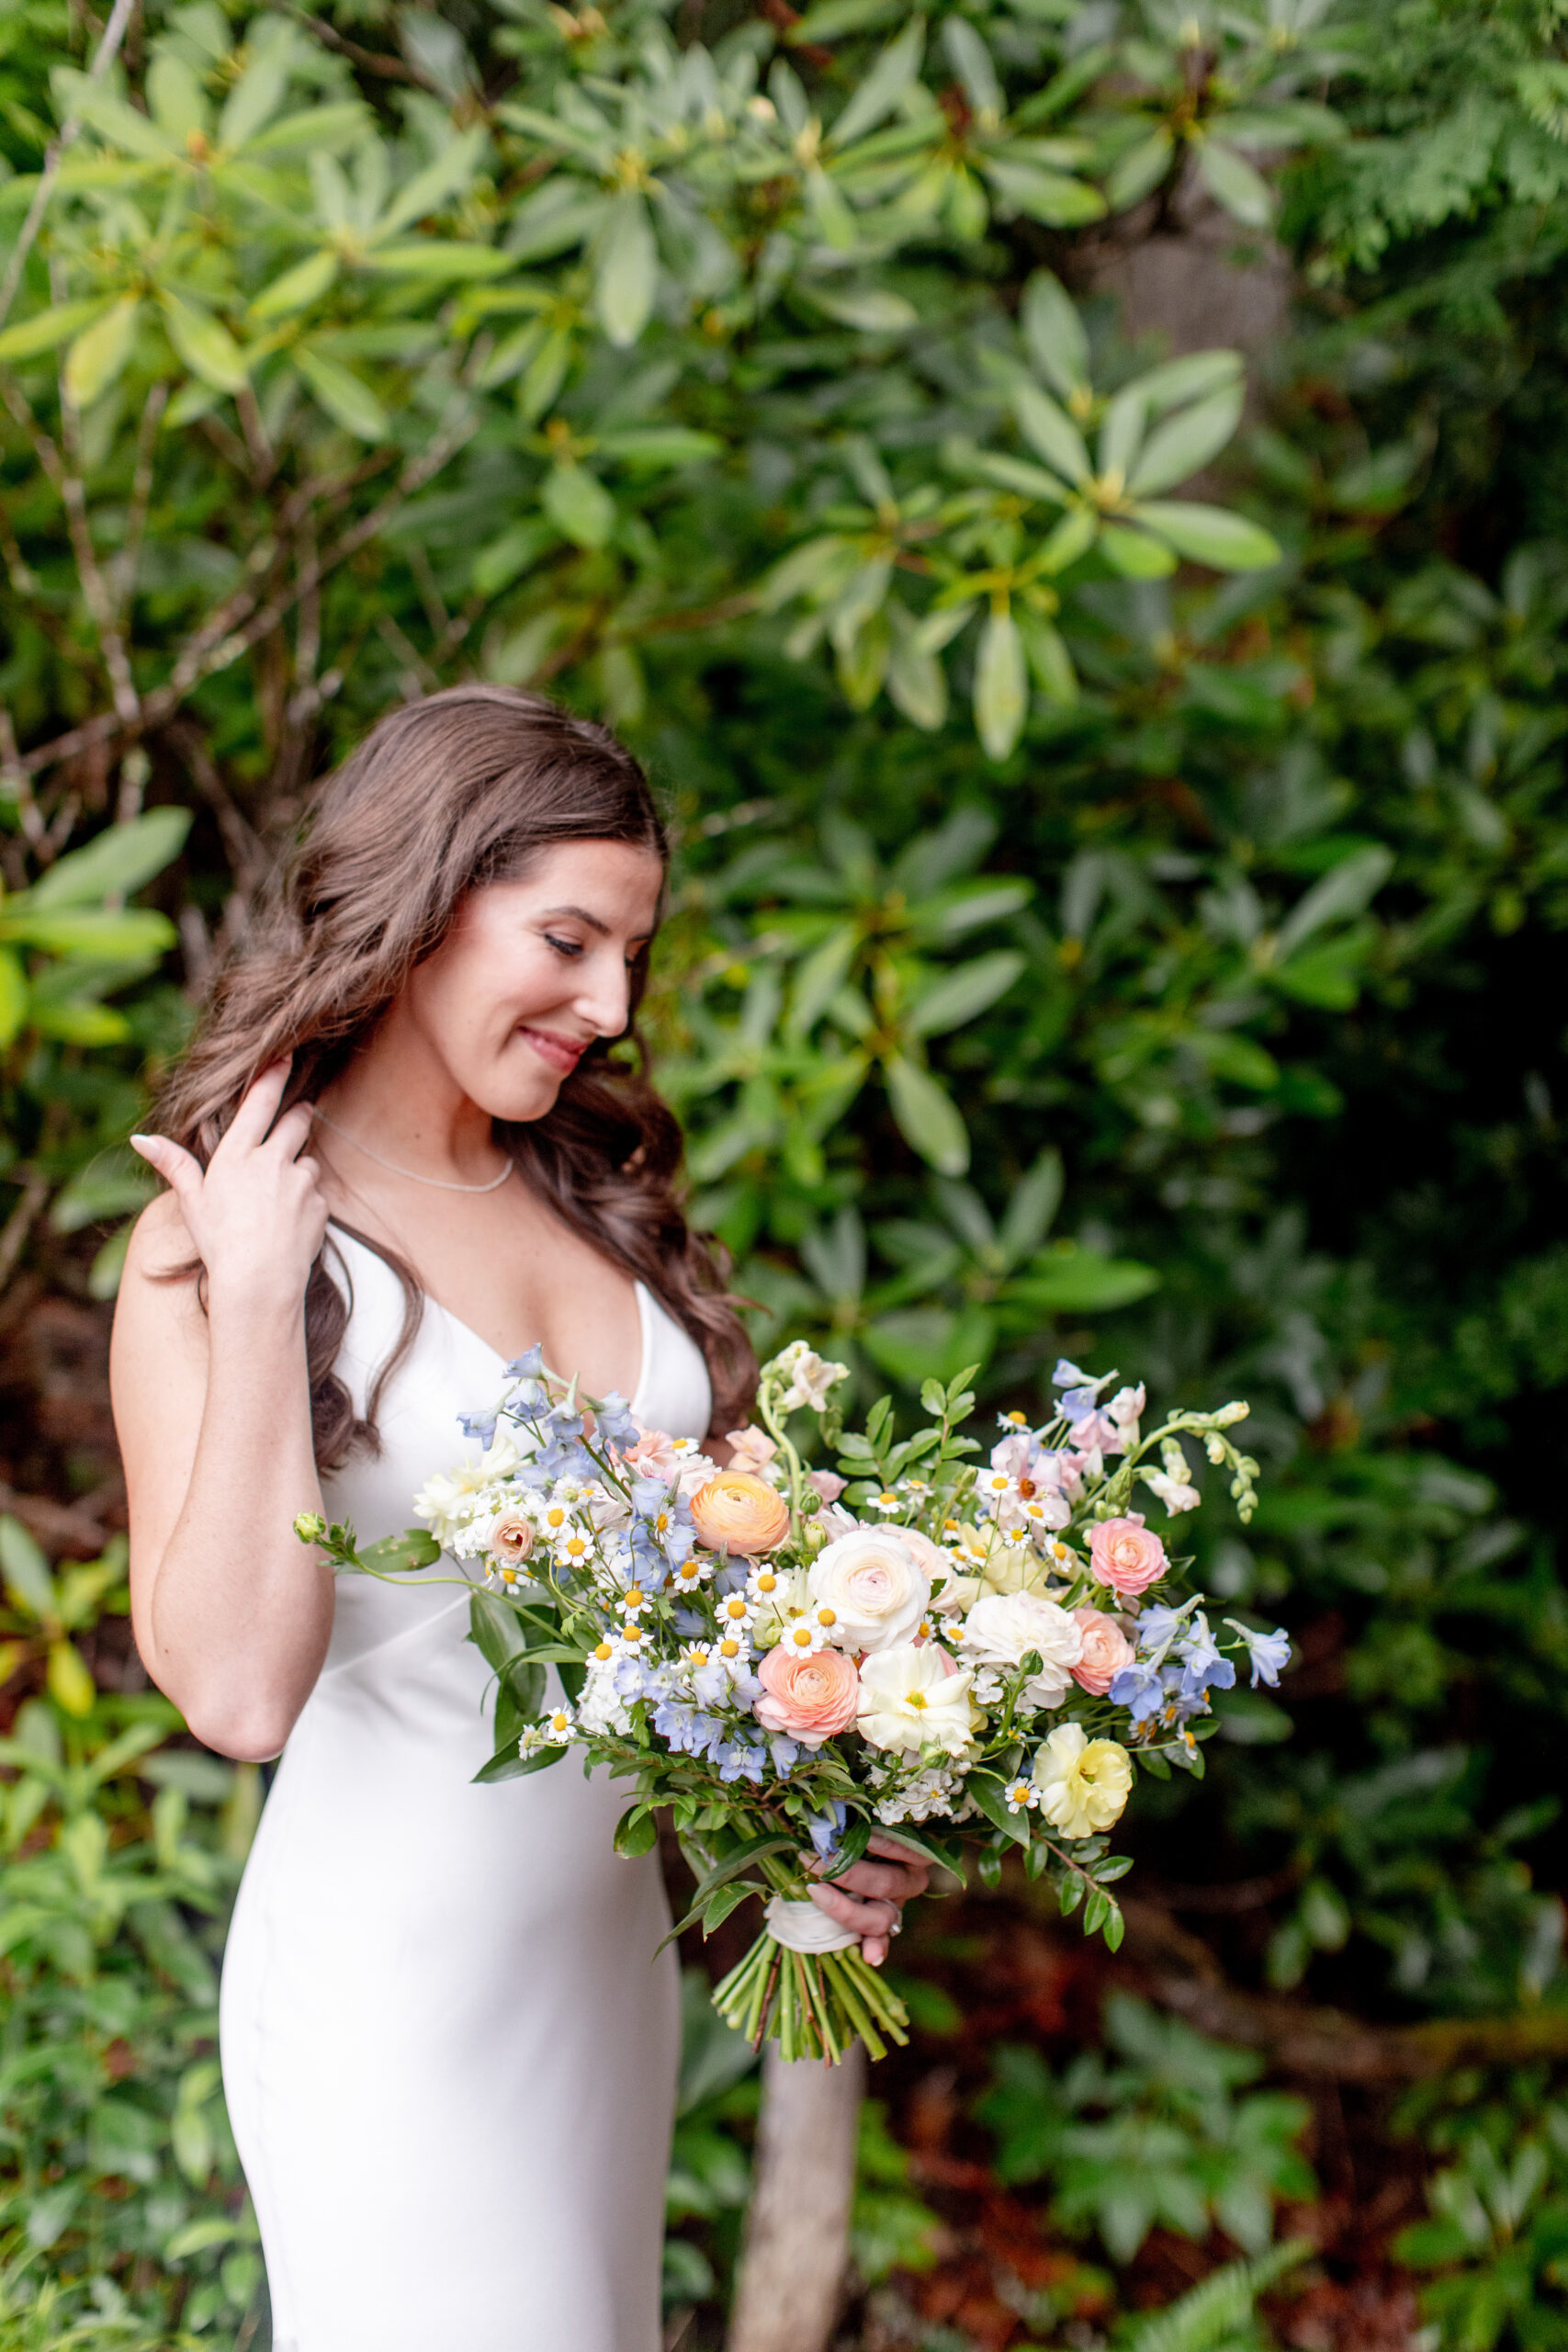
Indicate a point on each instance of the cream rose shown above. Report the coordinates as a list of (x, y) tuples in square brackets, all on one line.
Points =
[(1125, 1554), (807, 1698), (511, 1539), (914, 1697), (875, 1585), (1106, 1650), (1001, 1629), (736, 1512), (1083, 1783)]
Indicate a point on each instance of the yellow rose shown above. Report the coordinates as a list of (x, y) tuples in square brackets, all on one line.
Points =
[(1084, 1783)]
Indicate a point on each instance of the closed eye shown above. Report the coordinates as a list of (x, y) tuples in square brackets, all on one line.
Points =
[(563, 946)]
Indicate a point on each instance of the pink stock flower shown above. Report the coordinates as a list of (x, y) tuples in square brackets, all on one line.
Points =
[(653, 1456), (808, 1697), (1106, 1650), (829, 1485), (750, 1450), (1125, 1554)]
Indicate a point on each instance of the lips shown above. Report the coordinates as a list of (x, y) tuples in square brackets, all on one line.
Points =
[(560, 1052)]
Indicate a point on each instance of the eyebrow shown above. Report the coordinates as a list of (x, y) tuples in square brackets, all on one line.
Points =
[(581, 914)]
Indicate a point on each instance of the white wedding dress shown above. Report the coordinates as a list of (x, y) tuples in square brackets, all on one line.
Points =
[(448, 2050)]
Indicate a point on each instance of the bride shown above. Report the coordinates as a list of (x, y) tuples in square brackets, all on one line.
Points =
[(398, 1154)]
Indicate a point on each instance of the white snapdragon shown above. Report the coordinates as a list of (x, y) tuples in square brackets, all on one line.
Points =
[(809, 1375)]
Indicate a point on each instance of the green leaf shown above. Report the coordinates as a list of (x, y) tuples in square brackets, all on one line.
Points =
[(90, 103), (879, 91), (24, 1569), (398, 1554), (451, 174), (506, 1764), (1234, 183), (1001, 691), (514, 552), (97, 358), (579, 505), (1049, 660), (297, 287), (659, 444), (874, 311), (204, 343), (119, 859), (989, 1794), (347, 399), (972, 64), (1134, 554), (1141, 168), (926, 1115), (439, 258), (494, 1627), (13, 995), (1052, 432), (637, 1832), (319, 129), (1345, 891), (750, 1850), (1082, 1282), (48, 330), (1052, 198), (261, 88), (1055, 334), (90, 932), (1210, 534), (174, 96), (1187, 442), (625, 270), (961, 995)]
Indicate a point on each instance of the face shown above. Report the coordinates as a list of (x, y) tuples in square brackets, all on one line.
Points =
[(533, 971)]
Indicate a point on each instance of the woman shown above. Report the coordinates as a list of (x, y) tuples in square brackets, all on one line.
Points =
[(397, 1155)]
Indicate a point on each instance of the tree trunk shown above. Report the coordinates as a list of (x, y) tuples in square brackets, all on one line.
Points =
[(798, 2234)]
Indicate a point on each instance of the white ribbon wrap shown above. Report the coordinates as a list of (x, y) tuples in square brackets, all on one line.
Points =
[(803, 1926)]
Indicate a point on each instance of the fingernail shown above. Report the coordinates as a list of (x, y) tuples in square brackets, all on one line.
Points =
[(139, 1138)]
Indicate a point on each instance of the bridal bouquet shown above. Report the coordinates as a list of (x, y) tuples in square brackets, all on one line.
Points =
[(790, 1656)]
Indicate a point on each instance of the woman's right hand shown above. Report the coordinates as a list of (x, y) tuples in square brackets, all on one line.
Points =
[(256, 1215)]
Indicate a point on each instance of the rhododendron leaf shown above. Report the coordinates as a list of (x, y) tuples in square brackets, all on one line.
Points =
[(508, 1765), (989, 1794), (398, 1554), (635, 1832)]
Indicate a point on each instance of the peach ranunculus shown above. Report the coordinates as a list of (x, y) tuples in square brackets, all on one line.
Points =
[(750, 1450), (1125, 1554), (808, 1698), (876, 1589), (1106, 1650), (737, 1513)]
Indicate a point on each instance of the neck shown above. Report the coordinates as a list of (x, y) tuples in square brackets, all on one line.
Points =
[(396, 1099)]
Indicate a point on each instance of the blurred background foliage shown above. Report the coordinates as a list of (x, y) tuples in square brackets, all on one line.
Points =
[(1066, 496)]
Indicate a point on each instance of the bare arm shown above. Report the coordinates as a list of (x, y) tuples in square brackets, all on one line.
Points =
[(232, 1612)]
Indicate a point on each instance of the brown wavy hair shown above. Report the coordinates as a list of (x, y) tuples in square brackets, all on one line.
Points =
[(467, 786)]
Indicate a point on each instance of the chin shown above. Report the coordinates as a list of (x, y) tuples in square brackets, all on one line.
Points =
[(523, 1100)]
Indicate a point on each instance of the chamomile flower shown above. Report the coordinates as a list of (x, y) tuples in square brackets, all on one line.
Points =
[(735, 1614), (634, 1600), (994, 1488), (555, 1520), (574, 1550), (803, 1638), (689, 1575), (763, 1584), (558, 1727), (1020, 1795), (888, 1502)]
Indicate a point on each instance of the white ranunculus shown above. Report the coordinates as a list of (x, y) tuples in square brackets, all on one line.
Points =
[(875, 1585), (1004, 1627), (913, 1698)]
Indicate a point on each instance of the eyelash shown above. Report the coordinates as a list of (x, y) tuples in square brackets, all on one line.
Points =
[(573, 948)]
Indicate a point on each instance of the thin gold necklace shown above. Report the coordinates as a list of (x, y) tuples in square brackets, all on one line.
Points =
[(442, 1183)]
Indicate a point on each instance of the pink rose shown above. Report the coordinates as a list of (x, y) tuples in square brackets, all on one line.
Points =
[(750, 1450), (1125, 1555), (807, 1698), (829, 1485), (1106, 1650)]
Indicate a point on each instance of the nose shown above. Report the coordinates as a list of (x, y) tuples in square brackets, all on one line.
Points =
[(605, 998)]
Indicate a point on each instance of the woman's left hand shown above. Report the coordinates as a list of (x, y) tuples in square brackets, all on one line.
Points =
[(870, 1897)]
